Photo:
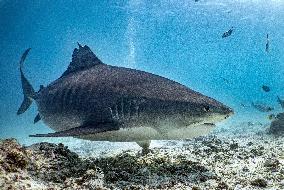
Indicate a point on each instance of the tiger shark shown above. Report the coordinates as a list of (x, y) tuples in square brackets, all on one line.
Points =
[(100, 102)]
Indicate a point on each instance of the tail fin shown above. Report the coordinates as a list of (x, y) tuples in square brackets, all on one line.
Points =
[(28, 90)]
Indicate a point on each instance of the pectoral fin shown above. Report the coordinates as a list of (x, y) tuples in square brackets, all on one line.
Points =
[(86, 129)]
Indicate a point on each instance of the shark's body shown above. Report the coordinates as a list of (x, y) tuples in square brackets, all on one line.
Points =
[(95, 101)]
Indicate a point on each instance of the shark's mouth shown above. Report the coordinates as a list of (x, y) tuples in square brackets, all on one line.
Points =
[(212, 119), (209, 124)]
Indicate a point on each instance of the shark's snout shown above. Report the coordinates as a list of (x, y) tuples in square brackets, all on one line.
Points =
[(231, 112), (216, 111), (228, 111)]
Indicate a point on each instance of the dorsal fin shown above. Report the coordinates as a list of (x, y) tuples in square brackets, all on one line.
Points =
[(82, 58)]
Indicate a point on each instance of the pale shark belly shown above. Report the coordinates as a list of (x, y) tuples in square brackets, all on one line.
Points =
[(143, 133)]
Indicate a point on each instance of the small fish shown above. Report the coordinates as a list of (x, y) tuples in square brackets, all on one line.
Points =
[(262, 107), (250, 124), (271, 117), (228, 33), (280, 101), (226, 80), (265, 88), (229, 11), (267, 44), (243, 105)]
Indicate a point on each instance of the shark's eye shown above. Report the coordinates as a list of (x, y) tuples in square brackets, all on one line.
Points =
[(206, 108)]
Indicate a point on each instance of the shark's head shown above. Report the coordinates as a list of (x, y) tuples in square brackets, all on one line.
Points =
[(197, 111), (207, 111), (192, 118)]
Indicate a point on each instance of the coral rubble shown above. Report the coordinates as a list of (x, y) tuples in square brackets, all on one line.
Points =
[(213, 162)]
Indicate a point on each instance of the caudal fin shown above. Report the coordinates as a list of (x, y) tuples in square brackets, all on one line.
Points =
[(28, 90)]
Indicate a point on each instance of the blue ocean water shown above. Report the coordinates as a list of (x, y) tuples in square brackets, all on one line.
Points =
[(178, 39)]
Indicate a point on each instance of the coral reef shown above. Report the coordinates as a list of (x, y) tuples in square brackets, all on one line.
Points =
[(212, 162)]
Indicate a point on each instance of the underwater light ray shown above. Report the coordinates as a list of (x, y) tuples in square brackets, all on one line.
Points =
[(133, 7), (130, 35)]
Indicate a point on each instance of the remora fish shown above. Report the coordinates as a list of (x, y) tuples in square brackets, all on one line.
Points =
[(96, 101), (228, 33), (265, 88), (262, 107), (267, 44)]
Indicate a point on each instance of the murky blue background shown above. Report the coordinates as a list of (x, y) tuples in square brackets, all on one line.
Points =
[(178, 39)]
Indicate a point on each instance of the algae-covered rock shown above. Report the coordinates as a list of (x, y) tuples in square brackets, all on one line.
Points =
[(259, 183), (14, 161), (277, 126), (13, 156), (57, 164), (156, 170), (54, 162), (45, 166)]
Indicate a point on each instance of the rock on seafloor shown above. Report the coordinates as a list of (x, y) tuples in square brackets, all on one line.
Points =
[(45, 166), (212, 162), (277, 125)]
